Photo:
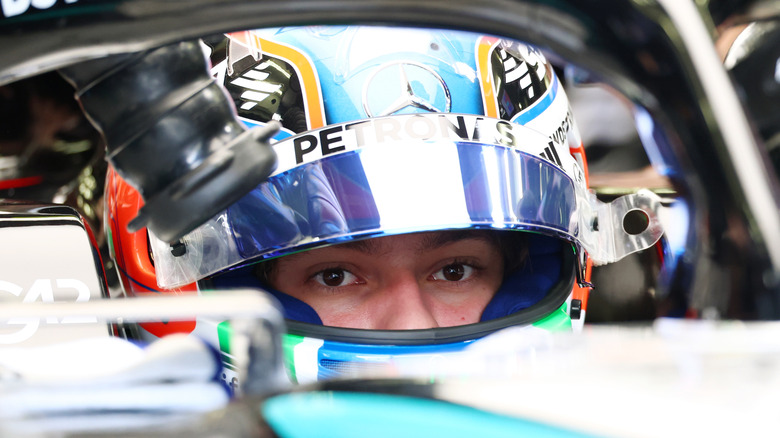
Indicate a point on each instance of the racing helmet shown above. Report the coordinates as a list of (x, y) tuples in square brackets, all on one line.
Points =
[(388, 131)]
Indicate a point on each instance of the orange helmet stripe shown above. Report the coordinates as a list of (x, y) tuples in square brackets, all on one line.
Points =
[(304, 67), (579, 154), (484, 48)]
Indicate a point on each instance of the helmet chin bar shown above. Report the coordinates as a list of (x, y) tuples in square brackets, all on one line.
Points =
[(173, 134)]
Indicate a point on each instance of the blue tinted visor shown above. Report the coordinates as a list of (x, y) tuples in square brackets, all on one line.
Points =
[(388, 188), (367, 192)]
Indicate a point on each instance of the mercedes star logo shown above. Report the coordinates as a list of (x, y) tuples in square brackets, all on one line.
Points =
[(398, 85)]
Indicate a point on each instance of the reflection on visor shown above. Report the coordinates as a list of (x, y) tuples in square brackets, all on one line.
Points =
[(378, 190)]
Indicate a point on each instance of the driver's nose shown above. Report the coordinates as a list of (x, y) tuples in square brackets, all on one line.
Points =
[(402, 305)]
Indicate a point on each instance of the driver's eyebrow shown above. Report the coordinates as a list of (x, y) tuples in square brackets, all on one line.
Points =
[(444, 238), (432, 241), (367, 247)]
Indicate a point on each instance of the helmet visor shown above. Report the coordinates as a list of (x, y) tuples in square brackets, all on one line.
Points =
[(332, 188)]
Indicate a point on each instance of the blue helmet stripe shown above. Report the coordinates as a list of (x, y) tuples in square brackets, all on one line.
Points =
[(540, 106)]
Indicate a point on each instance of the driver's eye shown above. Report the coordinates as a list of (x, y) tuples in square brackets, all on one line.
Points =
[(454, 272), (335, 277)]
